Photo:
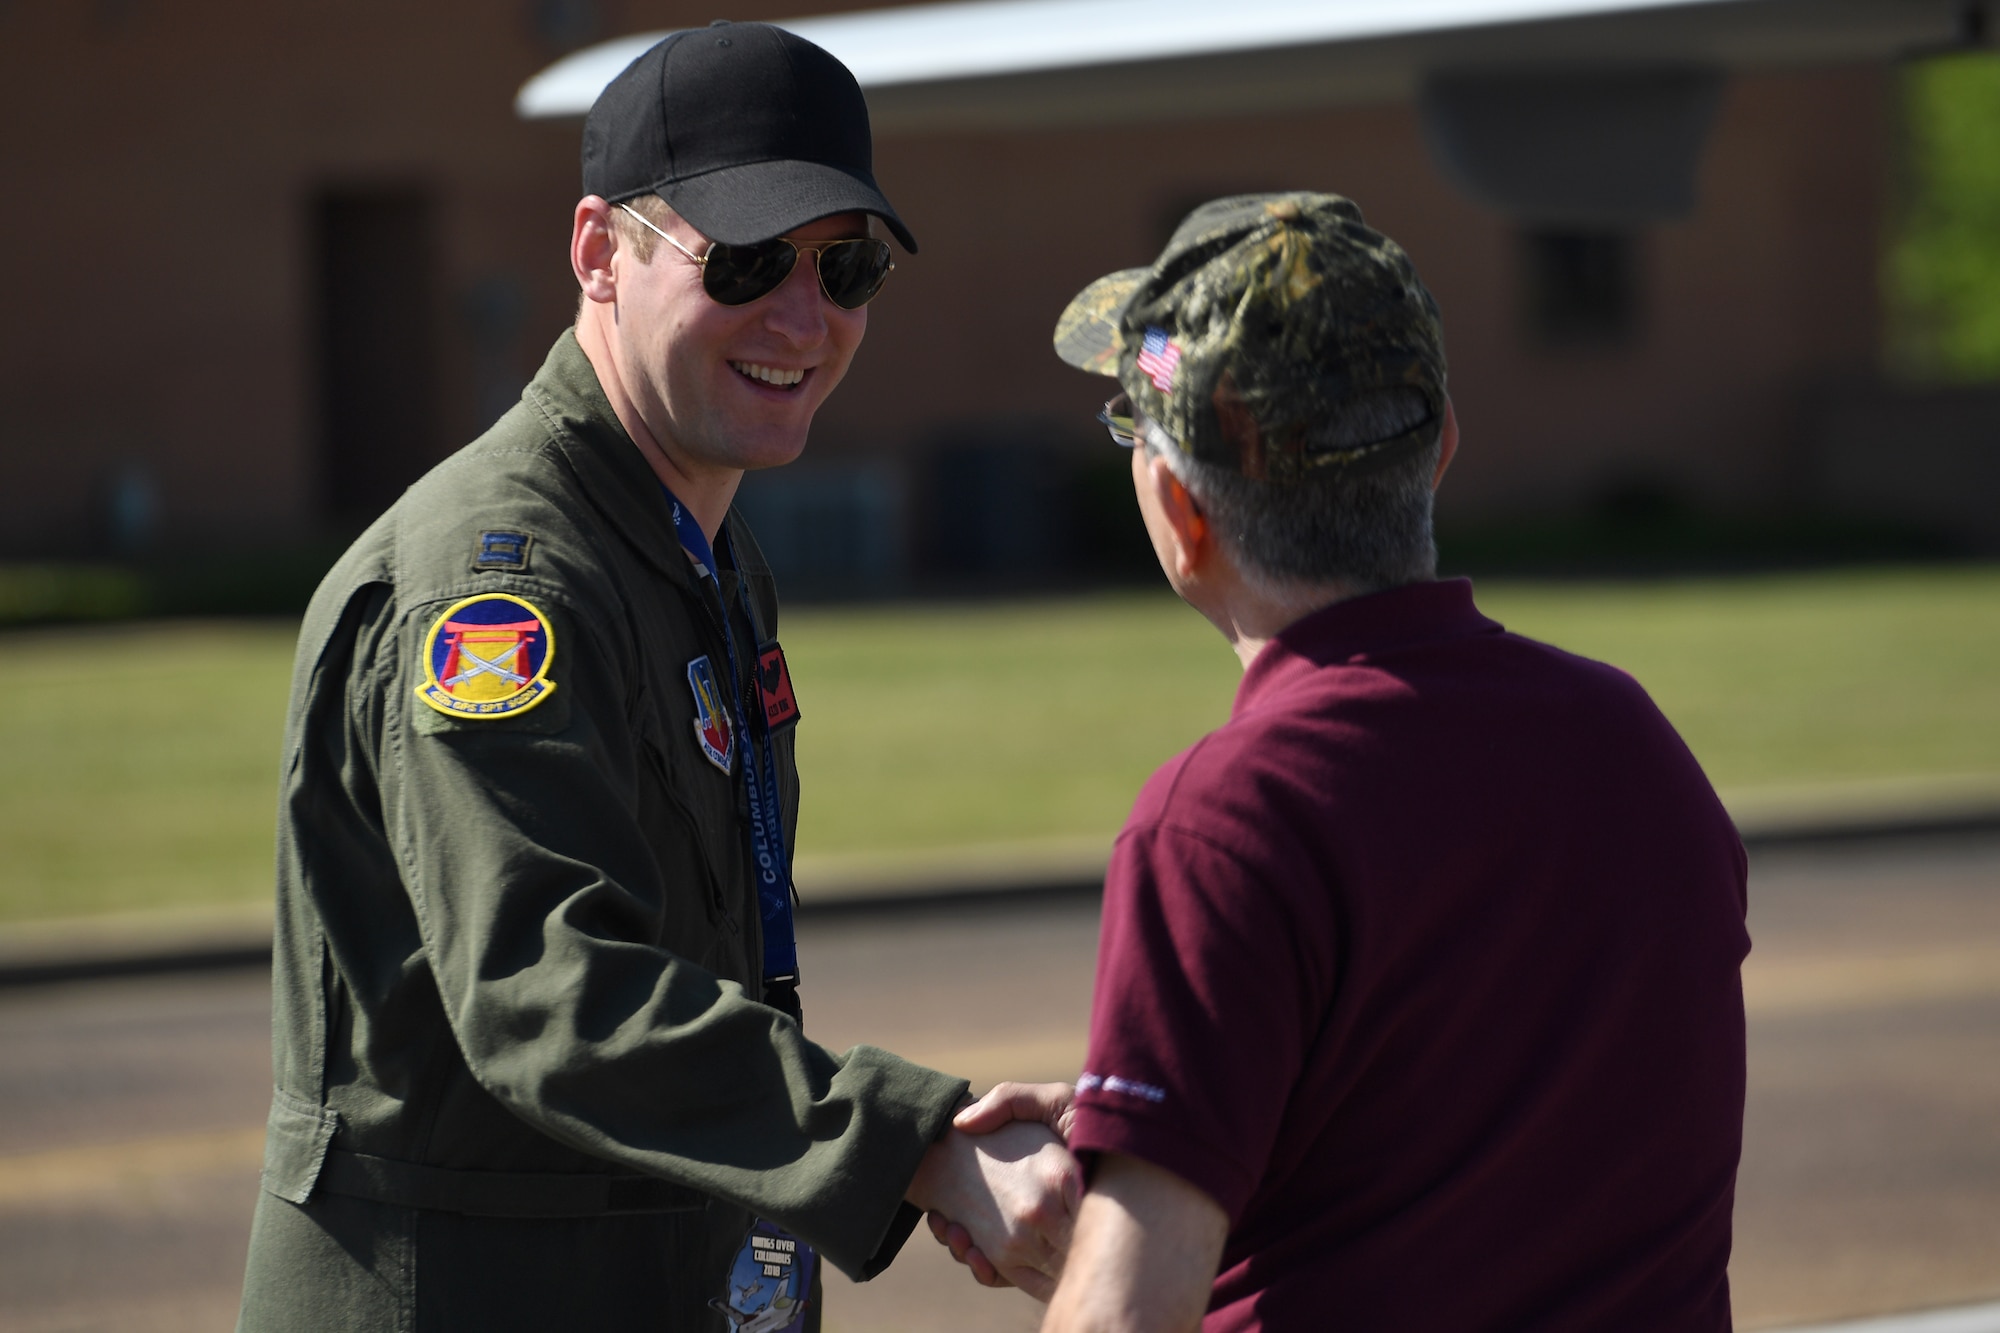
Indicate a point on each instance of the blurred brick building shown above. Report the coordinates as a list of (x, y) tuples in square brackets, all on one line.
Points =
[(263, 263)]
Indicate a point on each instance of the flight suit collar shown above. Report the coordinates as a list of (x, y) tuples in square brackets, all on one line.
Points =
[(621, 484), (614, 474)]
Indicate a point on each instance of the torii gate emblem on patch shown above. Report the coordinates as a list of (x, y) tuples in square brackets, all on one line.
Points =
[(488, 656)]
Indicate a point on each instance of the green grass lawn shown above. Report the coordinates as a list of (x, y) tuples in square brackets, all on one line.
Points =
[(1799, 678), (140, 764), (141, 759)]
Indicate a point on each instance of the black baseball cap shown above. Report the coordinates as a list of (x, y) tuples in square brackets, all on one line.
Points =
[(746, 130)]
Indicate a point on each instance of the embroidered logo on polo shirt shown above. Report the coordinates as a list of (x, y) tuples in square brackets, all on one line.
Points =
[(488, 657), (1131, 1087)]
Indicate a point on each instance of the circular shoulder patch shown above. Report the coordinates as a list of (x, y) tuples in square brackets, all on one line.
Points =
[(488, 656)]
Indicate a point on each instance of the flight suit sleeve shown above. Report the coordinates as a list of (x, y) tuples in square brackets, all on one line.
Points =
[(541, 904)]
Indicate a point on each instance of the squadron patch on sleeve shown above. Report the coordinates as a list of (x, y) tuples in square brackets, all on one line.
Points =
[(711, 715), (488, 656)]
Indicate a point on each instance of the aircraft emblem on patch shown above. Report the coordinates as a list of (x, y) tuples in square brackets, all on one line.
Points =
[(711, 715), (488, 656)]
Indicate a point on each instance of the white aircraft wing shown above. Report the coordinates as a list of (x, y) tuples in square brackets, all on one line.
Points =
[(989, 64)]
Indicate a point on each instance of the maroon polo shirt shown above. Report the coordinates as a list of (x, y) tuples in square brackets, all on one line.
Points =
[(1425, 967)]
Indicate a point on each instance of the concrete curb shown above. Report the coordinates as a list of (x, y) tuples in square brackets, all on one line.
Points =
[(187, 939), (211, 938), (1964, 1319), (1770, 817)]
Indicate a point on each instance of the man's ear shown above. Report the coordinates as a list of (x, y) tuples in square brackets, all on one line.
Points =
[(1448, 443), (592, 242), (1187, 528)]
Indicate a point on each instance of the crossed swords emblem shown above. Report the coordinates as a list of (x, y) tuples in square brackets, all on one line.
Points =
[(473, 664)]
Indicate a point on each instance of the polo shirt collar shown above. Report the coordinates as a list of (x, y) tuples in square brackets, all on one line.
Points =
[(1361, 628)]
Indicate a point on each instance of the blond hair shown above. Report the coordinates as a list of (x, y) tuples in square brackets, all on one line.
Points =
[(634, 237)]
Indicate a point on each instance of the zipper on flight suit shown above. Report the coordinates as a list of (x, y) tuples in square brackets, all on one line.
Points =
[(718, 903), (719, 614), (717, 617)]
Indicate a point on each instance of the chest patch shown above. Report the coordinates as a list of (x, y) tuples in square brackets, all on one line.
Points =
[(487, 657), (774, 684), (712, 727)]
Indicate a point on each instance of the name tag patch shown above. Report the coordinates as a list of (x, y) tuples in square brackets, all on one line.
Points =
[(774, 684), (488, 657), (711, 715)]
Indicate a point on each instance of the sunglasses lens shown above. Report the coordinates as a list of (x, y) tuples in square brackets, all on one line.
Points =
[(850, 272), (739, 274), (1117, 418), (853, 271)]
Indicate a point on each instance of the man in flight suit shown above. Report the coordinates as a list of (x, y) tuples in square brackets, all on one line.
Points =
[(538, 1052)]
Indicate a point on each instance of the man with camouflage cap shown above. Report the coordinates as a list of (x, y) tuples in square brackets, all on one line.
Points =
[(1417, 1001)]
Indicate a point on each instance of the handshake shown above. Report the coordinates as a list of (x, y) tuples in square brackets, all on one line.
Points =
[(1000, 1188)]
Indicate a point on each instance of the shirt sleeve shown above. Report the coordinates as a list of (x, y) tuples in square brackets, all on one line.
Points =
[(539, 901), (1209, 988)]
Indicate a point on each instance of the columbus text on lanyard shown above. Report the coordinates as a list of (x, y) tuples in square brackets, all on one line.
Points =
[(760, 769)]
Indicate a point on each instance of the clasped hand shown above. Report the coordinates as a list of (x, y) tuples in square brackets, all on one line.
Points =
[(1001, 1190)]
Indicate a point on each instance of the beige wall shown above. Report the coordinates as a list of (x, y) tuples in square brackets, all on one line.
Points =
[(1769, 290), (155, 269), (158, 161)]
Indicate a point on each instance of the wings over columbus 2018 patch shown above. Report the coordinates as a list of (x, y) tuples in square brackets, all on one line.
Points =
[(488, 656)]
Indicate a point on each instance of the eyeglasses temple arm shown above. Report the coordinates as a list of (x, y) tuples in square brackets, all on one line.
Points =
[(699, 259)]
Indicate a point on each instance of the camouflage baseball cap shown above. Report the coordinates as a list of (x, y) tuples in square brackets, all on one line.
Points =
[(1266, 313)]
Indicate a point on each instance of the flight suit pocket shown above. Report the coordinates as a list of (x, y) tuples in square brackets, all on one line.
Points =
[(296, 1138), (678, 828)]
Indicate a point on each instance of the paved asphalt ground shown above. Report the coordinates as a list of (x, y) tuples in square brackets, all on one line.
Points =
[(130, 1110)]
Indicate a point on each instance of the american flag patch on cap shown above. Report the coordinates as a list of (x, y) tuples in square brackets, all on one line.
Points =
[(1159, 357)]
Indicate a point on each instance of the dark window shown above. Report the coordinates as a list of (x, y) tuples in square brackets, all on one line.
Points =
[(565, 24), (377, 378), (1582, 287), (1174, 208), (1169, 214)]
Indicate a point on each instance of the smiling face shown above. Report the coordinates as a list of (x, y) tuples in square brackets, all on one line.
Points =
[(728, 388)]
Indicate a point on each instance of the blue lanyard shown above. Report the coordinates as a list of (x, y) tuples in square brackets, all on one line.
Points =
[(760, 770)]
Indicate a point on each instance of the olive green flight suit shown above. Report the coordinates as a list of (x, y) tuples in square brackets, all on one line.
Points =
[(524, 1079)]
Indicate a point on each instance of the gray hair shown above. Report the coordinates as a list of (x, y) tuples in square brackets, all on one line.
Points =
[(1360, 534)]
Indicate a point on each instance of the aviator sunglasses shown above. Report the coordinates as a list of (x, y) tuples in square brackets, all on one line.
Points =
[(1116, 417), (851, 271)]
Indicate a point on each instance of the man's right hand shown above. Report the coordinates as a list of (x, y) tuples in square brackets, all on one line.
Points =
[(1015, 1192)]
